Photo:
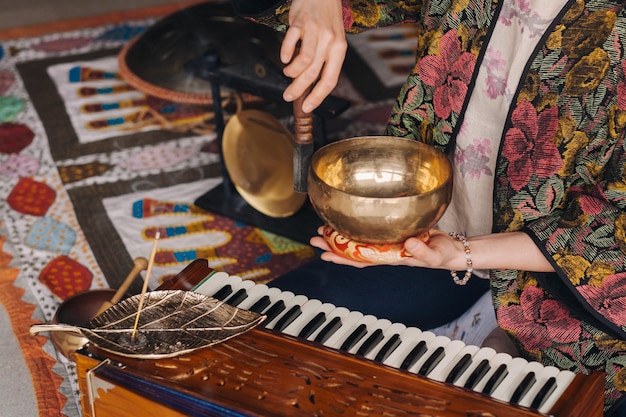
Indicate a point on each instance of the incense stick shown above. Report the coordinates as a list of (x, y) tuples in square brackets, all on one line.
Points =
[(145, 283)]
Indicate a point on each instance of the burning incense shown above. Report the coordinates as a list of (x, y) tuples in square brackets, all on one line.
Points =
[(145, 283)]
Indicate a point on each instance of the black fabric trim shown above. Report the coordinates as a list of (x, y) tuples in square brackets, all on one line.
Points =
[(561, 288), (557, 283), (533, 56), (256, 8), (470, 88), (618, 409)]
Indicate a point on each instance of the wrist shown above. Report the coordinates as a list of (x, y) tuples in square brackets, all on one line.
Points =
[(467, 255)]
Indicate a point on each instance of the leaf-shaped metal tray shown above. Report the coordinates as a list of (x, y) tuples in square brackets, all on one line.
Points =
[(171, 323)]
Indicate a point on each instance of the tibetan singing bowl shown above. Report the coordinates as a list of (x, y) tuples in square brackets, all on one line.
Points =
[(380, 189)]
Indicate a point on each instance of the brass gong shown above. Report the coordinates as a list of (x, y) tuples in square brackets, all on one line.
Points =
[(258, 155)]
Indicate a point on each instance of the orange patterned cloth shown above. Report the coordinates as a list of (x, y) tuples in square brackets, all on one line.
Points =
[(45, 381)]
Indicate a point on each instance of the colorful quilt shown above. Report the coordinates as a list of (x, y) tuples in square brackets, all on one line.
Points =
[(91, 170)]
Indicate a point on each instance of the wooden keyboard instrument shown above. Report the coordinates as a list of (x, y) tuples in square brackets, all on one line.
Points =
[(272, 372)]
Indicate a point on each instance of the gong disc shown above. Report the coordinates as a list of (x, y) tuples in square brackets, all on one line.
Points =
[(258, 155), (154, 62)]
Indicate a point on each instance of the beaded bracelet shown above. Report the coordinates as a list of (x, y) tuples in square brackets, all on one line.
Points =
[(468, 258)]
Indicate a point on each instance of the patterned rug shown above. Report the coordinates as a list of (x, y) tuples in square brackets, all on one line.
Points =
[(91, 169)]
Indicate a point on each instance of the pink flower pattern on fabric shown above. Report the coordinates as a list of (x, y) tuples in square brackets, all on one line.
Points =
[(348, 19), (544, 320), (522, 11), (609, 299), (528, 145), (472, 161), (449, 74), (497, 74)]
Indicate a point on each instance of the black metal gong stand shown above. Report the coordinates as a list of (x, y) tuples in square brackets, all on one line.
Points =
[(259, 77)]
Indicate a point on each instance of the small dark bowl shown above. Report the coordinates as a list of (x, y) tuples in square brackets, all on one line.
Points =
[(77, 310)]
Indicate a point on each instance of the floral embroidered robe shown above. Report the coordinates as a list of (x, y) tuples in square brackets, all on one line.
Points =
[(560, 173)]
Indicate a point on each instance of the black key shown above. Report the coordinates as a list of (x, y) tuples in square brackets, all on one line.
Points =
[(328, 330), (288, 318), (477, 374), (459, 368), (354, 337), (432, 361), (312, 325), (370, 342), (261, 304), (413, 355), (274, 311), (223, 292), (236, 299), (496, 379), (543, 394), (523, 387), (391, 345)]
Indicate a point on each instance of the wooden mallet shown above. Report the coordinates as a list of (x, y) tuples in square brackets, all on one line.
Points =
[(141, 264), (303, 143)]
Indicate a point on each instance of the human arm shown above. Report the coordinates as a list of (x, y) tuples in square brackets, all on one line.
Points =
[(515, 250)]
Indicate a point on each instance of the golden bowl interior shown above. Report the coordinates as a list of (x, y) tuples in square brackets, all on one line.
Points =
[(380, 189)]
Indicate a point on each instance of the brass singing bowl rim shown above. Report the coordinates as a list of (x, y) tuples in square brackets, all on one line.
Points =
[(322, 152), (258, 156), (381, 214)]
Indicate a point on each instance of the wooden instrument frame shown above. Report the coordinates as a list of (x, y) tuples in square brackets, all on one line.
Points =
[(267, 373), (263, 373)]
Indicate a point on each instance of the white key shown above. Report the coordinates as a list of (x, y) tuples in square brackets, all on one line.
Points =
[(364, 322), (372, 327), (211, 284), (256, 292), (454, 352), (231, 281), (284, 296), (405, 361), (410, 337), (497, 360), (327, 309), (563, 379), (543, 374), (338, 312), (439, 341), (245, 285), (516, 373), (532, 367), (297, 300), (348, 323), (389, 332), (273, 295), (485, 353), (310, 309)]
